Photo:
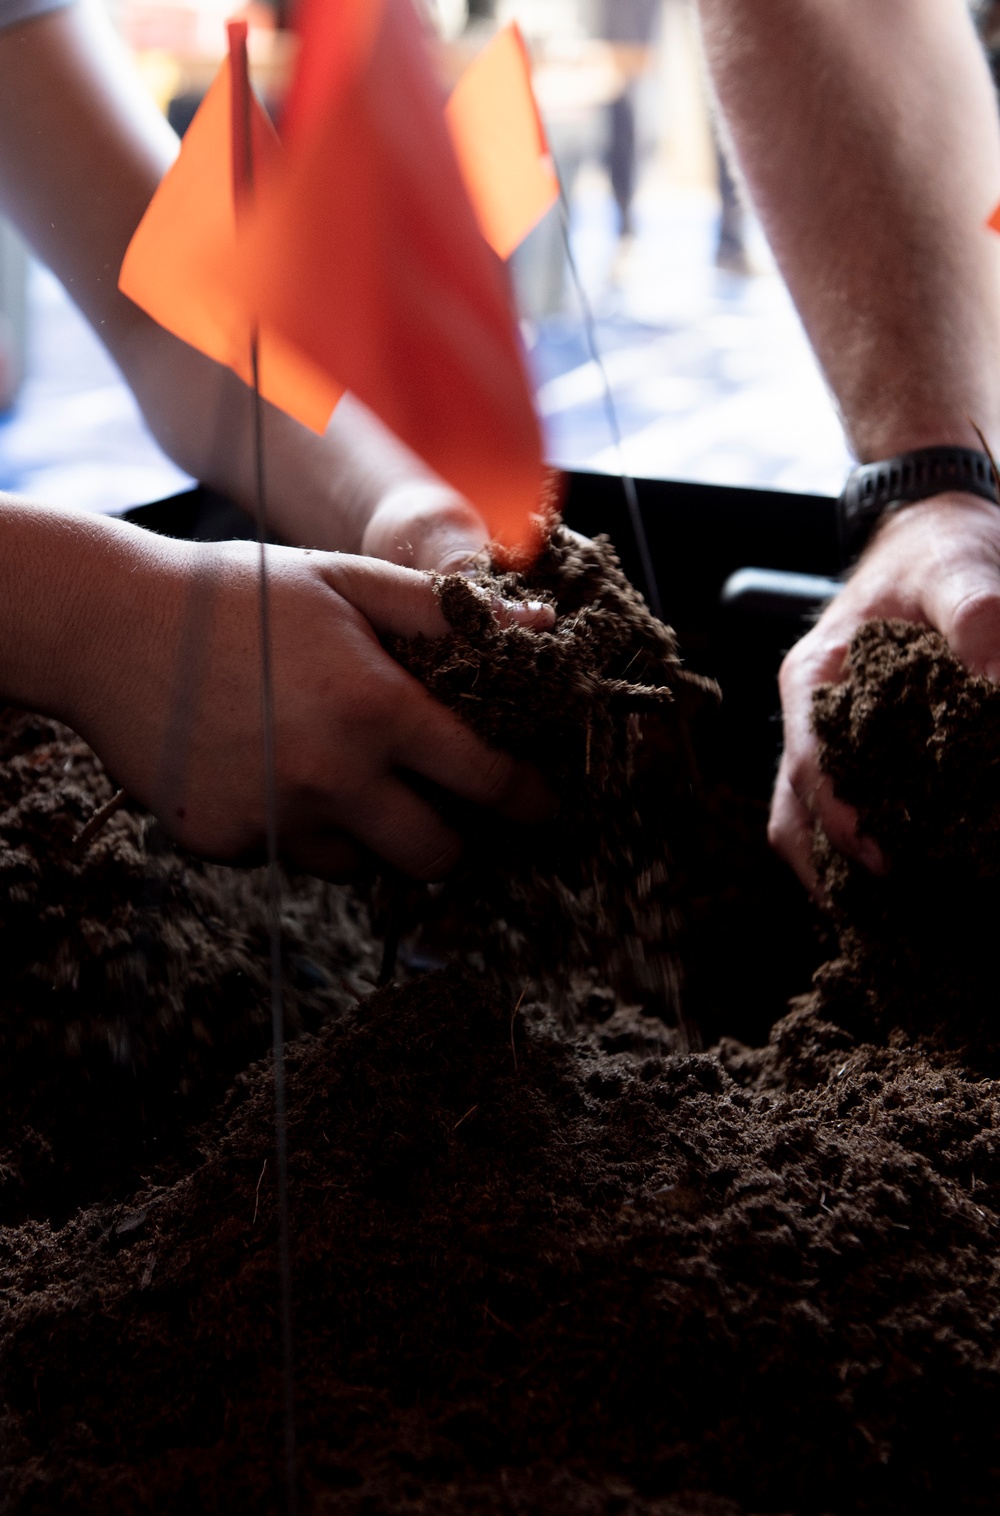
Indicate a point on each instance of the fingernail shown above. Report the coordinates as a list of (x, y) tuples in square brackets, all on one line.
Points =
[(520, 612)]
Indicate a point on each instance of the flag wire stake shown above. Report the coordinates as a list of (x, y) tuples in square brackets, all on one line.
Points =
[(243, 188), (611, 413), (274, 933)]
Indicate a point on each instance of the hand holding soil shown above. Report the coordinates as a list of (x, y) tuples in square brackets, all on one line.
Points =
[(937, 564), (168, 663)]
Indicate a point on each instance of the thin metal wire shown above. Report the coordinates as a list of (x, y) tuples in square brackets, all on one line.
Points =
[(628, 483), (243, 171), (274, 933)]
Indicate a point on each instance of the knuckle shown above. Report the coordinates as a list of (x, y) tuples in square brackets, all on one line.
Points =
[(793, 666), (975, 616), (802, 777), (776, 833)]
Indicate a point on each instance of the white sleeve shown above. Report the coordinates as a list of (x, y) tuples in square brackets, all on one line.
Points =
[(13, 11)]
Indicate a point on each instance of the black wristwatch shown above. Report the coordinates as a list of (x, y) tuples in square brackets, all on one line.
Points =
[(876, 489)]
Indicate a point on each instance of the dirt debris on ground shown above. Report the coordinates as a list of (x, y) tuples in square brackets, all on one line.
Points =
[(546, 1258)]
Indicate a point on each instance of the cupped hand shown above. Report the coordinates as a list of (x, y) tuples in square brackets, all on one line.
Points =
[(936, 563), (172, 704), (425, 525)]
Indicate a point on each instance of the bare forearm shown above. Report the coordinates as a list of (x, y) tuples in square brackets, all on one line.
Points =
[(74, 588), (82, 150), (868, 136), (319, 491)]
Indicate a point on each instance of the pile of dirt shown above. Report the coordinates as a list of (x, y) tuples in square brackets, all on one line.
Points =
[(545, 1258), (134, 980), (529, 1275)]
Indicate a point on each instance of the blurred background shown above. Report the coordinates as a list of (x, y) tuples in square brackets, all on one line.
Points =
[(712, 376)]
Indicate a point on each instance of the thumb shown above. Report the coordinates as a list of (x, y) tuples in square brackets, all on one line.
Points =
[(965, 608), (394, 601), (402, 602)]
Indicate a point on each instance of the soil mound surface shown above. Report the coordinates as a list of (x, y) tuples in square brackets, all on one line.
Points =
[(584, 1281), (545, 1257)]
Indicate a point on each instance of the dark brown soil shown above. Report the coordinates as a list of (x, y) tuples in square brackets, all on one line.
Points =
[(545, 1260), (134, 982), (603, 706), (913, 741)]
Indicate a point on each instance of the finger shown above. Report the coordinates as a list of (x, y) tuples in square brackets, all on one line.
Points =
[(435, 744), (530, 613), (965, 609), (818, 659), (395, 601), (403, 602), (405, 831), (840, 823), (789, 830)]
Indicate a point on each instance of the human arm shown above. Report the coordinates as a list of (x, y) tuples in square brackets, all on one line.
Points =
[(148, 648), (82, 149), (869, 139)]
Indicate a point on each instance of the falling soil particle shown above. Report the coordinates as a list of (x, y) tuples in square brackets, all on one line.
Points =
[(544, 1259)]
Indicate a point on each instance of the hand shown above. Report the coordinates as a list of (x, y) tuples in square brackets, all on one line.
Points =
[(169, 697), (937, 563), (425, 525)]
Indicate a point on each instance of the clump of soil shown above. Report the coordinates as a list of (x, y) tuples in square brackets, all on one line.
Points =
[(913, 740), (602, 705)]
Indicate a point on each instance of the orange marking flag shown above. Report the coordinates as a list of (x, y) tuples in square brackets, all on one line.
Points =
[(364, 253), (180, 265), (501, 144)]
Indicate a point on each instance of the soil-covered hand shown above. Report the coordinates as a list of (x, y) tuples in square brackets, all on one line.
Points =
[(937, 563), (171, 702)]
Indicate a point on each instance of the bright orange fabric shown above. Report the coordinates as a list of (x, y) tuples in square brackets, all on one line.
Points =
[(500, 142), (365, 254), (180, 264)]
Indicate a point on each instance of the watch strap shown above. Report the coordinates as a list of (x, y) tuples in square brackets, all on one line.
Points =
[(873, 490)]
